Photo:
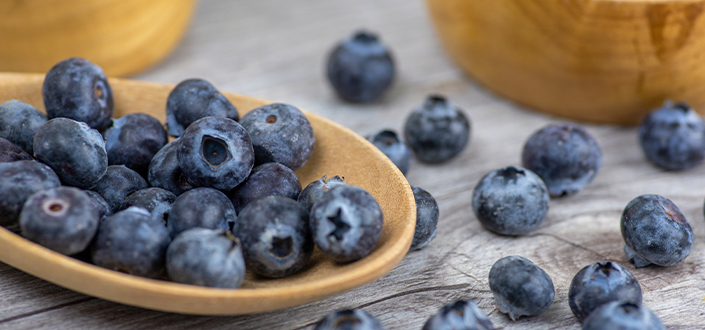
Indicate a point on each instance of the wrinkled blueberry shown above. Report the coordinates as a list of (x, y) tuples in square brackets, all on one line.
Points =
[(360, 68), (206, 257), (462, 314), (280, 133), (276, 238), (438, 131), (600, 283), (201, 207), (315, 190), (349, 319), (564, 155), (19, 180), (131, 242), (62, 219), (622, 316), (155, 200), (510, 201), (394, 148), (73, 150), (118, 183), (133, 140), (426, 218), (193, 99), (271, 179), (655, 232), (520, 287), (19, 122), (78, 89), (164, 170), (103, 208), (346, 223), (9, 152), (215, 152)]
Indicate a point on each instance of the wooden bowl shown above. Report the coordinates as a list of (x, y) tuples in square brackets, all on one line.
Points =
[(606, 61), (121, 36), (338, 151)]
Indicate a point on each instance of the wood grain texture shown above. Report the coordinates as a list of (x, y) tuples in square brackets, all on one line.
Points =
[(276, 50)]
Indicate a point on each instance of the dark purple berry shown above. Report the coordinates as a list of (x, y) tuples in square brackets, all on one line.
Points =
[(117, 184), (622, 316), (164, 170), (462, 314), (600, 283), (349, 319), (133, 140), (9, 152), (426, 218), (201, 207), (438, 131), (192, 100), (19, 122), (393, 147), (315, 190), (271, 179), (19, 180), (520, 287)]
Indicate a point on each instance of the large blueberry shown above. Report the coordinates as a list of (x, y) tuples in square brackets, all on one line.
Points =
[(655, 232), (438, 131), (164, 170), (426, 218), (280, 133), (393, 147), (9, 152), (133, 140), (104, 210), (215, 152), (19, 122), (599, 284), (73, 150), (193, 99), (78, 89), (564, 155), (510, 201), (360, 68), (315, 190), (622, 316), (462, 314), (118, 183), (520, 287), (271, 179), (200, 207), (155, 200), (19, 180), (349, 319)]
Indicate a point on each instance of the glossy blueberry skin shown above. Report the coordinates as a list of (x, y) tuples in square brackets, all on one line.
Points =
[(206, 257), (655, 232), (164, 171), (275, 236), (133, 140), (622, 316), (346, 223), (131, 242), (520, 287), (155, 200), (215, 152), (19, 180), (103, 208), (360, 68), (315, 190), (280, 133), (271, 179), (564, 155), (201, 207), (349, 319), (426, 218), (389, 143), (78, 89), (437, 131), (118, 183), (510, 201), (9, 152), (193, 99), (462, 314), (73, 150), (19, 122), (600, 283), (62, 219), (673, 136)]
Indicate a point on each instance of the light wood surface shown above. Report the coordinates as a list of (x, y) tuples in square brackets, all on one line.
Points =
[(276, 50)]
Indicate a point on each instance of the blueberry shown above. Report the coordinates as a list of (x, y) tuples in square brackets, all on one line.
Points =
[(9, 152), (394, 148), (564, 155), (462, 314), (155, 200), (215, 152), (315, 190), (73, 150), (118, 183), (360, 68), (673, 136), (62, 219), (133, 140), (271, 179), (206, 257), (280, 133), (275, 236), (426, 218), (346, 223), (622, 316), (510, 201), (438, 131), (349, 319), (19, 122), (131, 242), (600, 283), (655, 232), (192, 100), (19, 180), (78, 89), (104, 210), (201, 207), (164, 171), (520, 287)]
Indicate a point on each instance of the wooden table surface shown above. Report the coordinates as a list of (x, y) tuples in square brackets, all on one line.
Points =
[(276, 49)]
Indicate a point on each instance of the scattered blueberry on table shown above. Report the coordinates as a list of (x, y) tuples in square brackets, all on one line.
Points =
[(623, 316), (349, 319), (437, 131), (520, 287), (19, 122), (462, 314), (426, 218), (193, 99), (389, 143)]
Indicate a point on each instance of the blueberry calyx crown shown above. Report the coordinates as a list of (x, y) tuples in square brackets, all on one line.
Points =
[(510, 174), (346, 320), (214, 151), (435, 101), (281, 247), (365, 37), (673, 212), (340, 226), (101, 93), (55, 207), (388, 137), (606, 268)]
